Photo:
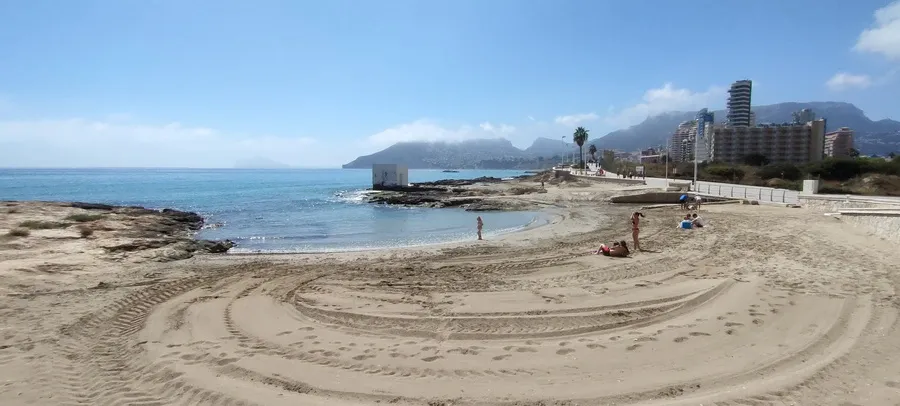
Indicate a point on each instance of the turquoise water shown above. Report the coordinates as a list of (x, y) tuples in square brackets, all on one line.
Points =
[(272, 210)]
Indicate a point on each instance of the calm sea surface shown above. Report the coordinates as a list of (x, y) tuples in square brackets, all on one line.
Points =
[(277, 210)]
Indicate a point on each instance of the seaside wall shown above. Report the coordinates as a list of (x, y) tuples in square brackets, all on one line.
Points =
[(603, 179), (880, 215)]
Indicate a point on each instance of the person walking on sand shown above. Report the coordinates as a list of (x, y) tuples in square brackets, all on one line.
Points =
[(480, 226), (636, 228)]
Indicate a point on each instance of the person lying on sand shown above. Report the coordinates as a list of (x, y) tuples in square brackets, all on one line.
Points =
[(618, 249)]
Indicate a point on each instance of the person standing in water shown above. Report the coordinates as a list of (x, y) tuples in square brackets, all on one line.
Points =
[(480, 226), (636, 228)]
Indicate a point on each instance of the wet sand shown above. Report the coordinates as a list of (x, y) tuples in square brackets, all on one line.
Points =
[(737, 313)]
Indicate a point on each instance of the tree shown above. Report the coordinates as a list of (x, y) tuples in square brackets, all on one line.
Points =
[(892, 155), (756, 160), (580, 137), (854, 153), (593, 151), (608, 159)]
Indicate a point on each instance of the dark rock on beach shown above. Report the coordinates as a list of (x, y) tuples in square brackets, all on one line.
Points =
[(459, 193)]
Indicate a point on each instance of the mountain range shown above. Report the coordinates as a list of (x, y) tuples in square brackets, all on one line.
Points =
[(871, 138)]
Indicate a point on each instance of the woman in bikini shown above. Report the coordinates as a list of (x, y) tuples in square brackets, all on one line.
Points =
[(636, 228)]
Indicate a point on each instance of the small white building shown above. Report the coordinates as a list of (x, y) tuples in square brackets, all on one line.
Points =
[(386, 175)]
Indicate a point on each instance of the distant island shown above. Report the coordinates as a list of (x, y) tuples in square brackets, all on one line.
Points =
[(871, 137)]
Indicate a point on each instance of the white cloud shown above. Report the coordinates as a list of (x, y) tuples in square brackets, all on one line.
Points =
[(665, 99), (576, 119), (844, 81), (426, 130), (80, 142), (499, 130), (884, 37), (530, 118)]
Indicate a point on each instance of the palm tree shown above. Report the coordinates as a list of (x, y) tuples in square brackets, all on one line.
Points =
[(592, 150), (580, 137)]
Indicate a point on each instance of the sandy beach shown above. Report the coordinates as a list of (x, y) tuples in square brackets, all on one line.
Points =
[(765, 306)]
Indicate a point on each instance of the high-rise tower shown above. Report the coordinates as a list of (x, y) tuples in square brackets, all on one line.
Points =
[(739, 104)]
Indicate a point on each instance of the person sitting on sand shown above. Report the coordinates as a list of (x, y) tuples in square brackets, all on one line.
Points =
[(618, 249), (697, 221)]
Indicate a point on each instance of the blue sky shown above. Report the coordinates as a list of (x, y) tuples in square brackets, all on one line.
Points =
[(317, 83)]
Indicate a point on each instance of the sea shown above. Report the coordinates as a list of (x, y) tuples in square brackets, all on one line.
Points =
[(274, 210)]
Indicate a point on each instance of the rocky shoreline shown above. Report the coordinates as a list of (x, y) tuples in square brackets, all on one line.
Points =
[(161, 235), (479, 194)]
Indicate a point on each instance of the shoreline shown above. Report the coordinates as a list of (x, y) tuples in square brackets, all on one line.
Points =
[(551, 219)]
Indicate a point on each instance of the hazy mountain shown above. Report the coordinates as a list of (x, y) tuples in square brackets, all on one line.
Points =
[(547, 147), (442, 155), (872, 137), (260, 163)]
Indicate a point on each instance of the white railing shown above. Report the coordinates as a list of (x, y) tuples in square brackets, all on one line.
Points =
[(761, 194)]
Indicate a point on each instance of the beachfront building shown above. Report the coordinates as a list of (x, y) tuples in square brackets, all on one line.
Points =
[(839, 143), (387, 175), (681, 143), (739, 114), (781, 143)]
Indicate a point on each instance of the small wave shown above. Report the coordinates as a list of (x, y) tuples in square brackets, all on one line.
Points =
[(351, 196)]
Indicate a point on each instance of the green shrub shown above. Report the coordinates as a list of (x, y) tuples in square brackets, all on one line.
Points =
[(85, 231), (42, 225), (780, 171), (84, 218), (724, 172), (19, 232), (840, 169)]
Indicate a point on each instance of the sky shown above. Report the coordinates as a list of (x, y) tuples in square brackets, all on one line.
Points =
[(173, 83)]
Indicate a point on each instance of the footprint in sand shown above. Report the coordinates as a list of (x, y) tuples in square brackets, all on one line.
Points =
[(720, 318), (680, 339), (758, 322), (363, 357), (525, 349), (614, 338), (398, 355), (284, 333), (226, 361), (732, 324), (428, 348), (892, 384), (731, 331), (564, 343), (501, 357), (305, 329), (311, 337), (595, 346), (432, 358), (564, 351), (645, 338), (633, 347), (697, 334)]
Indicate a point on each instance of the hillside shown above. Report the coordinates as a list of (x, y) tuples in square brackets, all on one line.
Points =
[(872, 137), (442, 155)]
